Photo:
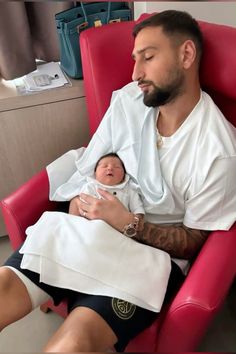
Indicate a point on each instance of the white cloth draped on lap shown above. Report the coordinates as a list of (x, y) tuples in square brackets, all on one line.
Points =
[(129, 129), (90, 256)]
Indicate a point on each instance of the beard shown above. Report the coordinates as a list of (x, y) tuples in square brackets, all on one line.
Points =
[(164, 94)]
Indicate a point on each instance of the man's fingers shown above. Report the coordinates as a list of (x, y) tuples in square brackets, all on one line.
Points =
[(87, 199), (105, 194)]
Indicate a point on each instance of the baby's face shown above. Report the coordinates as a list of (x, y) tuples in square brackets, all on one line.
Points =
[(110, 171)]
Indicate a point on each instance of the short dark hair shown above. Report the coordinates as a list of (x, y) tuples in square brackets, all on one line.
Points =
[(175, 24), (110, 154)]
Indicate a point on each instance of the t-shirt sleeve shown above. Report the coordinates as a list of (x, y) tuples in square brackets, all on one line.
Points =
[(213, 207), (135, 203)]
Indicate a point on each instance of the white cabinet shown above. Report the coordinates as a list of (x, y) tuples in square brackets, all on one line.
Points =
[(35, 129)]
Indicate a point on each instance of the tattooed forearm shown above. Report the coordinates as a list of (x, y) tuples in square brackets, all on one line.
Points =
[(178, 240)]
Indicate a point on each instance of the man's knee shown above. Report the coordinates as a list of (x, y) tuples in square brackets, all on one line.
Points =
[(83, 331), (14, 300), (79, 339), (71, 342), (95, 333), (12, 290), (6, 280)]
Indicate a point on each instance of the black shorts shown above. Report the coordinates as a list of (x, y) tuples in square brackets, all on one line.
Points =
[(125, 319)]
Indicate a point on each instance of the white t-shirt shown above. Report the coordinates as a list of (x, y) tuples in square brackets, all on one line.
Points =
[(198, 163)]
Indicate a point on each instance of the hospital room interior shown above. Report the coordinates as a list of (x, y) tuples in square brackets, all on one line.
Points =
[(58, 76)]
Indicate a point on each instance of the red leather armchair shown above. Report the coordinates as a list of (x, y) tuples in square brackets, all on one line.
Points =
[(107, 65)]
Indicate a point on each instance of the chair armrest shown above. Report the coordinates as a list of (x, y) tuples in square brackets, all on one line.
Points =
[(201, 295), (23, 207)]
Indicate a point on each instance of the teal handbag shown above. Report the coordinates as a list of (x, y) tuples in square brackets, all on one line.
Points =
[(70, 23)]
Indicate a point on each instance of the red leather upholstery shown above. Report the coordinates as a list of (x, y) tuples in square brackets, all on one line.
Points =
[(112, 69), (218, 67), (21, 208), (107, 65)]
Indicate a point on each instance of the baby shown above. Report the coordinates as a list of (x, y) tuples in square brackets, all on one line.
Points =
[(110, 175)]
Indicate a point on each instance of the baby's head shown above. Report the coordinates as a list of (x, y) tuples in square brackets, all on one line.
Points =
[(110, 169)]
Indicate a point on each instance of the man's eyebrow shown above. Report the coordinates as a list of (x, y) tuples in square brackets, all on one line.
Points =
[(140, 51)]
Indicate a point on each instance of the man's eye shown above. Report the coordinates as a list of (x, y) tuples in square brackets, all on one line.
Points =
[(148, 58)]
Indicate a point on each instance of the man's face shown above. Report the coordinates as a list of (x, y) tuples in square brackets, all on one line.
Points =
[(157, 67)]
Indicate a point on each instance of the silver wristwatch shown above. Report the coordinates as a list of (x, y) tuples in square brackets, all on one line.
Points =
[(130, 230)]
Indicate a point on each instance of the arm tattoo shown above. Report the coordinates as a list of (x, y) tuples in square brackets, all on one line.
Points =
[(177, 240)]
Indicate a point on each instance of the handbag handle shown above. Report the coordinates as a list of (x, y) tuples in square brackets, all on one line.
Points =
[(108, 11)]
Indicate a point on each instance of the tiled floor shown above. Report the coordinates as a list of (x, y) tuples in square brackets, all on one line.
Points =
[(31, 333)]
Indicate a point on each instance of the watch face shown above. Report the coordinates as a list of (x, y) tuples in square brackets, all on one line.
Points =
[(130, 232)]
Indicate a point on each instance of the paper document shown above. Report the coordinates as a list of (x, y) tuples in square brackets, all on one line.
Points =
[(45, 77)]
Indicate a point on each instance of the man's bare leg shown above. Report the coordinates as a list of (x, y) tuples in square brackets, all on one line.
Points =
[(83, 331), (15, 302)]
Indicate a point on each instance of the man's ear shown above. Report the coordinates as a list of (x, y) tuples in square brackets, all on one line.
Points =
[(188, 53)]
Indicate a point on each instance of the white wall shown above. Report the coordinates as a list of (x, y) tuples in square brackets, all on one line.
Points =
[(218, 12)]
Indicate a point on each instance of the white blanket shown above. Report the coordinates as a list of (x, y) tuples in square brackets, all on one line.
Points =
[(90, 256)]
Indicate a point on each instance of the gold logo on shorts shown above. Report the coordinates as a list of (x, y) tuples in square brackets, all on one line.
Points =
[(123, 309)]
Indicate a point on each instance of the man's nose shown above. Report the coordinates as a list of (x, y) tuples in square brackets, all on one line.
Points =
[(137, 72)]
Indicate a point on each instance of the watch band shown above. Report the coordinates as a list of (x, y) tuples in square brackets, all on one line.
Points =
[(130, 230)]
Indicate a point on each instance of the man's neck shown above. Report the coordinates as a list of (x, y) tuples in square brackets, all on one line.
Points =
[(172, 115)]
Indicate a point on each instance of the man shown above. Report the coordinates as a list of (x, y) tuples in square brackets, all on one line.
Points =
[(167, 54)]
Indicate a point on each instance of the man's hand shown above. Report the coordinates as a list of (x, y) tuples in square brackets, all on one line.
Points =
[(108, 209), (73, 207)]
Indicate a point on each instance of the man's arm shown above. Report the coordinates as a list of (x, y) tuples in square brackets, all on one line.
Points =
[(177, 240)]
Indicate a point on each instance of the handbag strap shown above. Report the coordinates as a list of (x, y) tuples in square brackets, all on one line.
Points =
[(84, 12), (108, 11)]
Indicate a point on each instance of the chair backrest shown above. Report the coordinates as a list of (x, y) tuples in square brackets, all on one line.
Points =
[(107, 65), (218, 66)]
